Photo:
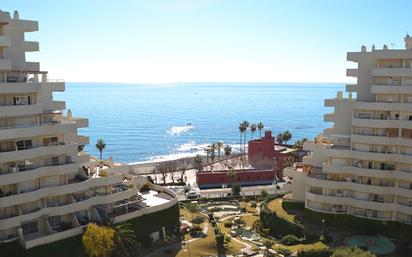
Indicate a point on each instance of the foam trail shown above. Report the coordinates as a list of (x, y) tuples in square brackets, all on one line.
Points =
[(177, 130)]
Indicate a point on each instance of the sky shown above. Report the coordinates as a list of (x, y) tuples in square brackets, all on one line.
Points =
[(154, 41)]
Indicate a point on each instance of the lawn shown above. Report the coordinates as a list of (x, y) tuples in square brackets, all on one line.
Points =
[(276, 206), (248, 207), (298, 247)]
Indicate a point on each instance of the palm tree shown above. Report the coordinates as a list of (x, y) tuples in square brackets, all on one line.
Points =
[(198, 162), (253, 128), (212, 151), (242, 129), (279, 138), (228, 150), (101, 145), (207, 151), (287, 136), (260, 126), (219, 146), (245, 124), (124, 236)]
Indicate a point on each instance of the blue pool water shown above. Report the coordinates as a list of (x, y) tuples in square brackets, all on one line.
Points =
[(154, 122)]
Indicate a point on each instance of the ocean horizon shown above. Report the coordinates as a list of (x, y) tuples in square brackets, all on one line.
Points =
[(155, 122)]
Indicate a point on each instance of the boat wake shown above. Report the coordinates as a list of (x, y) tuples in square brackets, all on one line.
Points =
[(177, 130)]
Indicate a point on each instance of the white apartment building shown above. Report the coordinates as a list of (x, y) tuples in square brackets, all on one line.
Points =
[(363, 164), (45, 192)]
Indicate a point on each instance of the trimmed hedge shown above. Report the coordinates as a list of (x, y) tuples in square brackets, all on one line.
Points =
[(361, 225), (293, 205), (277, 226), (315, 253)]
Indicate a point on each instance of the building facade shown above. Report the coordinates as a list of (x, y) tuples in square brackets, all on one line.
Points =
[(362, 166), (48, 189)]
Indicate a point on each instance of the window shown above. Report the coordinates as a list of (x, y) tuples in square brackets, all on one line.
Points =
[(55, 221), (22, 100), (55, 160), (24, 144), (29, 228), (26, 165), (47, 141)]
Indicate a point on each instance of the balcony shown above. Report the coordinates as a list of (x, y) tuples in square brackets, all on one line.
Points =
[(382, 106), (381, 123), (30, 46), (329, 117), (29, 26), (352, 72), (392, 72), (20, 110), (391, 89), (4, 41), (32, 66), (5, 64), (351, 87), (59, 105), (82, 140), (330, 102)]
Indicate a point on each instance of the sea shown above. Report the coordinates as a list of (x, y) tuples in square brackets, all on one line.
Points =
[(155, 122)]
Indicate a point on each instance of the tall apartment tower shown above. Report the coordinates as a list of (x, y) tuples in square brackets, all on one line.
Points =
[(47, 191), (363, 165)]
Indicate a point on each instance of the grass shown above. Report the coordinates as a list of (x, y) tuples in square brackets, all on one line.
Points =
[(248, 207), (299, 247), (276, 206)]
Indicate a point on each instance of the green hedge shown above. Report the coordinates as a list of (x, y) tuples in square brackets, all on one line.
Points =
[(315, 253), (277, 226), (361, 225), (293, 205)]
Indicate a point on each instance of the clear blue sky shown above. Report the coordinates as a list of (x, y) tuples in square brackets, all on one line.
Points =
[(208, 40)]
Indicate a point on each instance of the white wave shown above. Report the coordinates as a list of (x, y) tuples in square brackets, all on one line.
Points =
[(185, 150), (177, 130)]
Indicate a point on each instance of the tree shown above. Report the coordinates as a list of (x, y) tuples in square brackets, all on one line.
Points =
[(161, 168), (233, 176), (219, 146), (183, 166), (98, 241), (101, 146), (212, 151), (298, 145), (124, 237), (260, 126), (353, 252), (279, 138), (268, 244), (207, 151), (286, 136), (245, 124), (228, 150), (198, 162), (192, 208), (242, 129), (253, 128)]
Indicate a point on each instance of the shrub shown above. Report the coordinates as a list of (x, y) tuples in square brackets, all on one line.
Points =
[(326, 238), (227, 224), (198, 219), (245, 199), (145, 188), (263, 194), (195, 228), (315, 253), (253, 205), (130, 185), (352, 252), (284, 251), (102, 173), (268, 244), (290, 240)]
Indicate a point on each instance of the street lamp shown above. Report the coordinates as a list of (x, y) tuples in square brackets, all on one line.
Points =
[(323, 226), (185, 247)]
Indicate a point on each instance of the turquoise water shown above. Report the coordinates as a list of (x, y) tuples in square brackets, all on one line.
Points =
[(154, 122), (375, 244)]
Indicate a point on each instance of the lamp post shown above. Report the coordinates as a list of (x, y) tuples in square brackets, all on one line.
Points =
[(185, 247), (323, 226)]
